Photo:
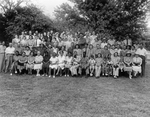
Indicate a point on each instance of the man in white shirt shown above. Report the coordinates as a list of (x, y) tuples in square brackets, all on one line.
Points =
[(142, 52), (9, 52)]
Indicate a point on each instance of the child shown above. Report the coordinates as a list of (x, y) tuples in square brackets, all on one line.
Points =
[(98, 65), (92, 65), (104, 67), (109, 66)]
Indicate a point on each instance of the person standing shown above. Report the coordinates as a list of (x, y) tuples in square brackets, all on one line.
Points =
[(2, 55), (142, 52), (9, 52)]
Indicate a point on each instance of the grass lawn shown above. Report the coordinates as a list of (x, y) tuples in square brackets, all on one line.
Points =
[(30, 96)]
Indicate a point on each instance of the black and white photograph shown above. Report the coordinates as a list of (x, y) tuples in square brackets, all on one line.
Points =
[(74, 58)]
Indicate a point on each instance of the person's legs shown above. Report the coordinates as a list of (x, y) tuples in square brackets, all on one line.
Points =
[(54, 73), (46, 71), (50, 71)]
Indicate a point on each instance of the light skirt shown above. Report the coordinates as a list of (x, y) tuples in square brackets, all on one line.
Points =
[(137, 69), (53, 66), (128, 69), (38, 66)]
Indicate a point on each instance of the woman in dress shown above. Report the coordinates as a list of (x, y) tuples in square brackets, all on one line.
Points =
[(91, 63), (27, 51), (68, 64), (128, 60), (38, 63), (61, 63), (46, 63), (116, 60), (137, 62), (90, 51), (75, 65), (30, 63), (53, 65), (15, 62), (98, 65), (79, 51), (22, 62)]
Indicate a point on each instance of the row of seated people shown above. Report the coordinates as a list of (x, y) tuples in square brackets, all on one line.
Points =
[(75, 65)]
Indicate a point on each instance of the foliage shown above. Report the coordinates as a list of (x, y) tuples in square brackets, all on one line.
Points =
[(118, 18), (18, 18)]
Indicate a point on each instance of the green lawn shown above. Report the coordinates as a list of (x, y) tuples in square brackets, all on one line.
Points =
[(30, 96)]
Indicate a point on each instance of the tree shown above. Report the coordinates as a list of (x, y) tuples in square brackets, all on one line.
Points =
[(116, 18), (7, 5), (68, 18), (25, 19)]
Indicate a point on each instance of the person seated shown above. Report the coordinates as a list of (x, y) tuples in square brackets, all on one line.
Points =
[(109, 66), (75, 65), (115, 61), (137, 62), (22, 62), (84, 65), (38, 63), (61, 63), (15, 62), (53, 65), (91, 63), (68, 64), (30, 63), (128, 64), (27, 51), (98, 65), (104, 68), (46, 63)]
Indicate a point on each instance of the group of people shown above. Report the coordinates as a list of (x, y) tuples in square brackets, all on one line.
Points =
[(54, 54)]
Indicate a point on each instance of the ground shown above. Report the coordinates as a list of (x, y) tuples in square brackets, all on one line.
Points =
[(30, 96)]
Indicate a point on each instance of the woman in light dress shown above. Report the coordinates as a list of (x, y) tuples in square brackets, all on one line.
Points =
[(128, 60), (137, 62), (30, 63), (116, 60), (68, 64), (53, 65), (61, 63), (38, 63)]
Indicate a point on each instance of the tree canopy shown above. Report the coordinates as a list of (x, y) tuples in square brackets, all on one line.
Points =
[(114, 18), (22, 18)]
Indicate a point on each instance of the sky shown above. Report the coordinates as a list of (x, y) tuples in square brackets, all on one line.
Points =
[(48, 6)]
